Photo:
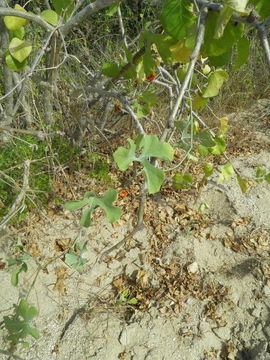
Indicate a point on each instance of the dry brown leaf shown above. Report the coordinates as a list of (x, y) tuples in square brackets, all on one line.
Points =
[(61, 273)]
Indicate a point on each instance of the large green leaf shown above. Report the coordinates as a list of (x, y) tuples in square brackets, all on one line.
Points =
[(124, 157), (205, 138), (20, 49), (110, 69), (112, 9), (14, 64), (86, 215), (262, 7), (223, 19), (216, 47), (242, 53), (149, 63), (216, 81), (25, 311), (227, 171), (153, 147), (14, 23), (63, 7), (237, 5), (182, 181), (76, 204), (221, 60), (113, 213), (220, 146), (154, 177), (177, 17), (50, 16), (243, 183)]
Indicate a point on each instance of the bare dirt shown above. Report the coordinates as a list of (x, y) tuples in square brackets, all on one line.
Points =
[(202, 279)]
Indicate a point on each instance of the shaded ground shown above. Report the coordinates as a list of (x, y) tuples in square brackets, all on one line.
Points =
[(202, 279)]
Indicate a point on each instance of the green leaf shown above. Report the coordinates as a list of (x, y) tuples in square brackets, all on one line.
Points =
[(220, 146), (112, 9), (177, 17), (243, 183), (76, 204), (113, 213), (15, 276), (205, 138), (33, 332), (208, 169), (237, 5), (14, 64), (13, 22), (50, 16), (163, 44), (260, 173), (149, 97), (154, 177), (224, 126), (153, 147), (227, 171), (262, 7), (221, 60), (198, 102), (18, 33), (26, 311), (216, 81), (149, 63), (223, 19), (267, 178), (124, 157), (86, 216), (75, 260), (63, 7), (180, 52), (110, 69), (183, 181), (203, 150), (216, 47), (20, 49), (132, 301), (242, 53)]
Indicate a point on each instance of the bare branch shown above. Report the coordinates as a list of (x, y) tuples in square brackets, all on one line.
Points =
[(122, 99), (264, 40), (88, 10), (122, 28), (193, 59), (28, 16), (17, 205)]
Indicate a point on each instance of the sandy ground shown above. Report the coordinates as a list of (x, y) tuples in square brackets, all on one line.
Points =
[(202, 280)]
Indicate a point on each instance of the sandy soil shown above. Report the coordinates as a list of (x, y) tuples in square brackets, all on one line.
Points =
[(202, 279)]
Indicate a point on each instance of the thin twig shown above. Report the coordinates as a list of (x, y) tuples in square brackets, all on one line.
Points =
[(185, 84), (122, 28), (20, 198)]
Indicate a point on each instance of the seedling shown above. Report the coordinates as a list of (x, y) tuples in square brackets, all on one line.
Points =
[(21, 264), (74, 257), (18, 324), (125, 298)]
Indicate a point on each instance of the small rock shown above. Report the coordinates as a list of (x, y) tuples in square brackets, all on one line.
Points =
[(131, 335), (223, 333), (193, 268), (266, 290)]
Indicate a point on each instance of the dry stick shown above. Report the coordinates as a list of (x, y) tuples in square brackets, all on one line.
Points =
[(193, 59), (122, 99), (39, 134), (263, 37), (122, 28), (16, 205)]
